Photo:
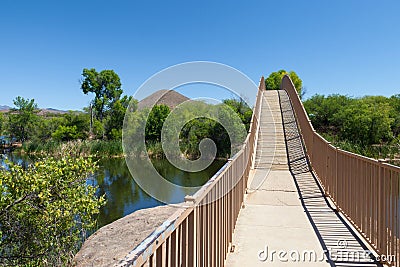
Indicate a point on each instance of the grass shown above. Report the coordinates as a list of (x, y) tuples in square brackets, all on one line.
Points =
[(78, 148), (86, 148), (382, 151), (155, 150)]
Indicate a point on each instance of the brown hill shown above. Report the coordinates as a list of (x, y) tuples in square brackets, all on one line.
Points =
[(170, 98), (41, 112), (51, 111)]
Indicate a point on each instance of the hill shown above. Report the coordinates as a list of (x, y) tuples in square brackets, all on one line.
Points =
[(40, 111), (170, 98), (4, 107), (51, 111)]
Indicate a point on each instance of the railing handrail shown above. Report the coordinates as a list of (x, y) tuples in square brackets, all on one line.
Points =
[(376, 216), (144, 252)]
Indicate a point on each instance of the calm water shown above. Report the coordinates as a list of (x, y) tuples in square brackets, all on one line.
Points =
[(123, 195)]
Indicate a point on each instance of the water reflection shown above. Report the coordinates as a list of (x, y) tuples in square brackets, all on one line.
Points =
[(124, 196), (23, 160)]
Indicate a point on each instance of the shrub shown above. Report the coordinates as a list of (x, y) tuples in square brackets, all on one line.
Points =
[(46, 211)]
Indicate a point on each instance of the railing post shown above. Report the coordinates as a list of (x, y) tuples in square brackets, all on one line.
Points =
[(191, 233), (379, 210), (335, 195), (311, 155), (326, 170)]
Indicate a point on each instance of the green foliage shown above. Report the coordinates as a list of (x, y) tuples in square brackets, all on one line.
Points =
[(76, 148), (200, 128), (65, 133), (366, 121), (21, 120), (106, 86), (136, 121), (210, 121), (273, 82), (155, 122), (50, 147), (105, 148), (72, 126), (323, 111), (1, 122), (234, 113), (115, 134), (45, 127), (372, 151), (394, 102), (242, 109), (367, 125), (98, 128), (45, 132), (108, 106), (115, 119), (155, 149), (80, 120), (46, 210)]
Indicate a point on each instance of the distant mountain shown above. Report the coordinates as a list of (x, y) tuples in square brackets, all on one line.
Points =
[(4, 107), (170, 98), (52, 111), (42, 111)]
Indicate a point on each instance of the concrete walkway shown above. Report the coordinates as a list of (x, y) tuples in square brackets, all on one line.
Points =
[(286, 220)]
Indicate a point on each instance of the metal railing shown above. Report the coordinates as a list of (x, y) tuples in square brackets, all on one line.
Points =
[(365, 190), (201, 233)]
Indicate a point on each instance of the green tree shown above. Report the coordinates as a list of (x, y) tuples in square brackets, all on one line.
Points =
[(395, 114), (45, 126), (22, 118), (273, 82), (365, 122), (323, 111), (241, 108), (66, 133), (106, 86), (132, 134), (369, 125), (155, 122), (196, 130), (218, 121), (46, 210), (78, 120), (1, 122), (115, 119), (98, 128)]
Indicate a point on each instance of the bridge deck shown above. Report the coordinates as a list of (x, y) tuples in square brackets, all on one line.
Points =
[(286, 217)]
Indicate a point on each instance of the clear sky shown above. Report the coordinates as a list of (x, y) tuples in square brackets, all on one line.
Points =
[(346, 47)]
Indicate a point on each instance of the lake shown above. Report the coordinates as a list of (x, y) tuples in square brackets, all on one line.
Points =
[(123, 195)]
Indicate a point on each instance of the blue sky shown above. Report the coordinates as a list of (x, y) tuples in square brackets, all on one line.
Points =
[(346, 47)]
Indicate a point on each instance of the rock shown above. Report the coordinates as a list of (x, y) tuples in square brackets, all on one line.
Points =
[(111, 243)]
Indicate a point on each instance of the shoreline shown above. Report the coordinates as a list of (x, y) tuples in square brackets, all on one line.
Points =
[(90, 148)]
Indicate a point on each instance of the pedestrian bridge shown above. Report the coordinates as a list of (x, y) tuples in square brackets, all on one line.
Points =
[(288, 197)]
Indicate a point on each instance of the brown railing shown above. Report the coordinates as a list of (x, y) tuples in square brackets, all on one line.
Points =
[(365, 190), (200, 234)]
